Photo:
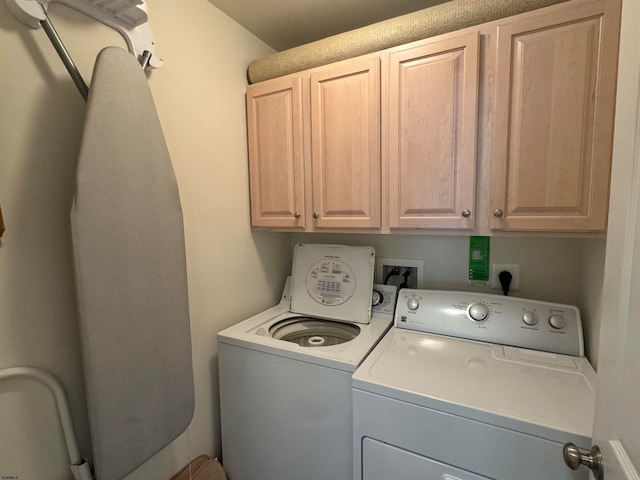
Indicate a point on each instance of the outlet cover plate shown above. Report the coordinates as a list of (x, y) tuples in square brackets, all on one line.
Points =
[(401, 262), (512, 268)]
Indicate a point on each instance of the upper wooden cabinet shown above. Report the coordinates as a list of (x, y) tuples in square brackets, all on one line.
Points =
[(314, 148), (345, 139), (555, 92), (276, 153), (503, 127), (432, 135)]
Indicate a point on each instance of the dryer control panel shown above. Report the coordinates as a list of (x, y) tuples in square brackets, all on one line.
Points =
[(518, 322)]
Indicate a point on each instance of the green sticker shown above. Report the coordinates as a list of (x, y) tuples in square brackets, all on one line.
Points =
[(479, 260)]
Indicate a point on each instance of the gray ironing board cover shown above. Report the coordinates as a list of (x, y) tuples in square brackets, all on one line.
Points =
[(130, 270)]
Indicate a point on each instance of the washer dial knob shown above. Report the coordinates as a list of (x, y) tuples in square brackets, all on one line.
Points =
[(376, 298), (557, 321), (478, 312), (530, 318), (413, 304)]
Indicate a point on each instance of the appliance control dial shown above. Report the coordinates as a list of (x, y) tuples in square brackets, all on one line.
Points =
[(376, 298), (413, 304), (478, 312), (557, 321), (530, 318)]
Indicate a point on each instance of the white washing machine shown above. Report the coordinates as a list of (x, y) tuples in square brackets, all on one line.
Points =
[(469, 386), (285, 374)]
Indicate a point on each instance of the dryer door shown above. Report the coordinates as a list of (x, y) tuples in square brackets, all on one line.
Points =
[(382, 461)]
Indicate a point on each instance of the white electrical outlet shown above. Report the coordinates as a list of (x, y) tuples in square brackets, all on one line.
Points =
[(512, 268), (415, 267)]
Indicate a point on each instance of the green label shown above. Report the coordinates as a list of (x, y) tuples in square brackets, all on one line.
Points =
[(479, 260)]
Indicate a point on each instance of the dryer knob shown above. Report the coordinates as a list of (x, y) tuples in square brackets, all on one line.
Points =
[(557, 321), (478, 312), (413, 304)]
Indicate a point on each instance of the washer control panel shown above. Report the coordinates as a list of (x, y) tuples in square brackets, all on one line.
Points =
[(383, 299), (519, 322)]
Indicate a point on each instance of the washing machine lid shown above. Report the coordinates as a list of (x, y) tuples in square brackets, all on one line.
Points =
[(333, 281)]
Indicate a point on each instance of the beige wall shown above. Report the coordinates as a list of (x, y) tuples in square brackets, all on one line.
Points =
[(199, 94), (591, 282), (548, 266)]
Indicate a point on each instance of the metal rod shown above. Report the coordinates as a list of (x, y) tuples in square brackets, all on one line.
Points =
[(79, 467), (64, 55), (144, 59)]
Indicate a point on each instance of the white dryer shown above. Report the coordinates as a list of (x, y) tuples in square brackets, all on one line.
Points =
[(470, 386), (285, 374)]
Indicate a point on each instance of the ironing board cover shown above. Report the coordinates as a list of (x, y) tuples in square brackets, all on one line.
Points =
[(130, 270)]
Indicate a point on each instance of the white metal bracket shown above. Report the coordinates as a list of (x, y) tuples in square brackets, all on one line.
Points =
[(79, 467), (128, 17)]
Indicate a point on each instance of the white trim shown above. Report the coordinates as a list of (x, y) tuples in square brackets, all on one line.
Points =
[(626, 465)]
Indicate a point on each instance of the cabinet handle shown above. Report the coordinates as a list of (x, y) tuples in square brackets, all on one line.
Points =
[(316, 215), (466, 213), (296, 215), (498, 213)]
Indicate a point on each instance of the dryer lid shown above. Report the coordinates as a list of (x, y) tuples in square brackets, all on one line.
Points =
[(333, 281)]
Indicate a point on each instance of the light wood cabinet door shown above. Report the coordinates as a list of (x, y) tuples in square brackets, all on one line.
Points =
[(555, 88), (276, 153), (432, 142), (345, 140)]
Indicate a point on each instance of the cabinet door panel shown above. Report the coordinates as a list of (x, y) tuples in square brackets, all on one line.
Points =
[(553, 126), (275, 130), (345, 138), (433, 108)]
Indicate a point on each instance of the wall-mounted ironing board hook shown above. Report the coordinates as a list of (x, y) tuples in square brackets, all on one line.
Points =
[(128, 17)]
